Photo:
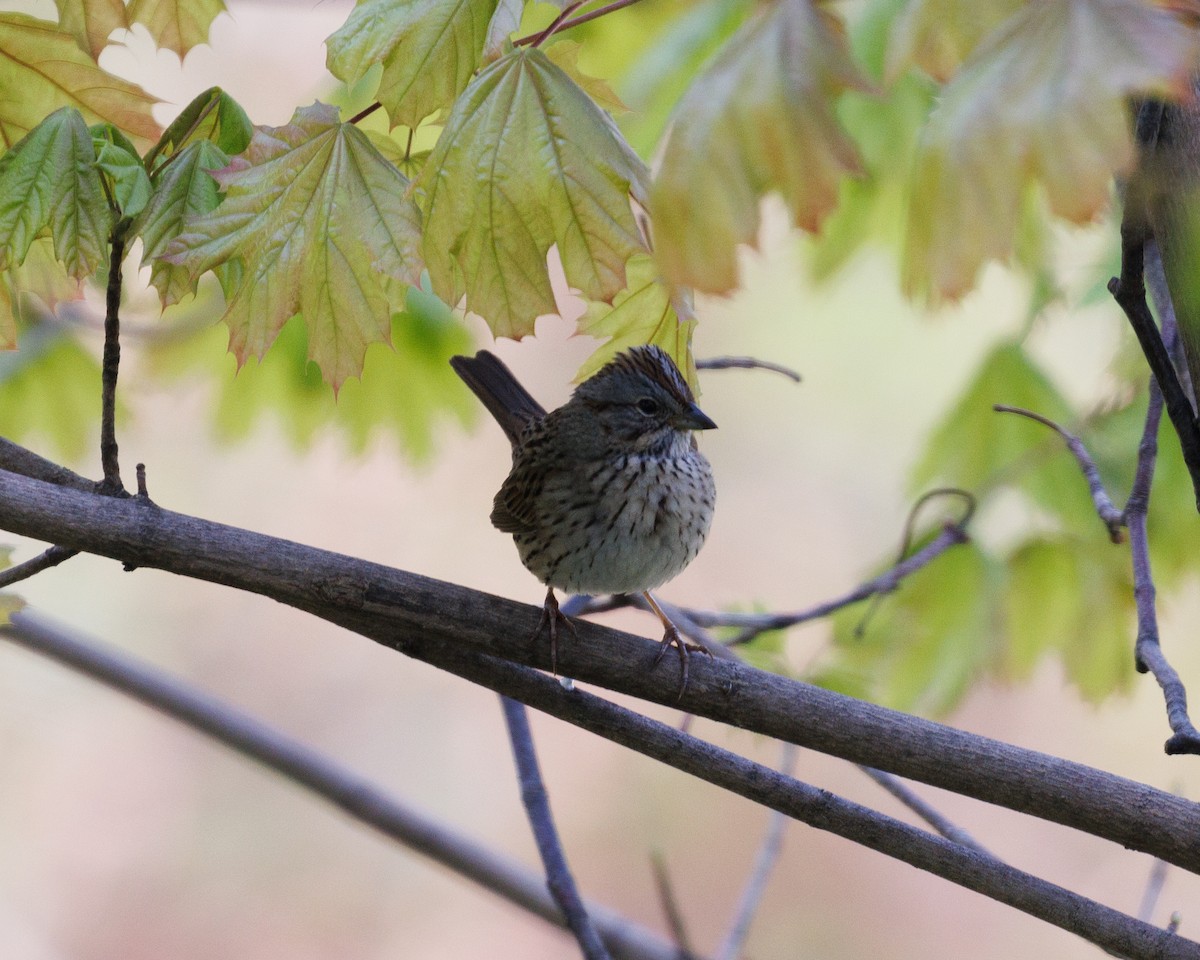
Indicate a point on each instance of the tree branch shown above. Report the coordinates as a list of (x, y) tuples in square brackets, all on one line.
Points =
[(358, 798), (50, 557), (1106, 509), (453, 625), (537, 808)]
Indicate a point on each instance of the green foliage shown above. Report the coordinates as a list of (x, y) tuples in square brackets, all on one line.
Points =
[(50, 186), (922, 646), (48, 392), (323, 227), (428, 48), (528, 161), (46, 65), (760, 117), (91, 21), (9, 602), (177, 25), (407, 390)]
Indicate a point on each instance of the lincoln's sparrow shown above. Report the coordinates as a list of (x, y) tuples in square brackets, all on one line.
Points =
[(608, 493)]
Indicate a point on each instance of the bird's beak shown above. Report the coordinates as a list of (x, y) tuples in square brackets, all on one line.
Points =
[(692, 418)]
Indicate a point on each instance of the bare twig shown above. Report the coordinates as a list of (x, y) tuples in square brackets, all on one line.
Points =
[(559, 27), (756, 883), (926, 811), (1148, 653), (753, 624), (670, 904), (1108, 512), (17, 459), (558, 23), (537, 808), (746, 363), (51, 557), (355, 796)]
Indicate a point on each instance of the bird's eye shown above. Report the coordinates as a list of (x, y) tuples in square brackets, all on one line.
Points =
[(648, 406)]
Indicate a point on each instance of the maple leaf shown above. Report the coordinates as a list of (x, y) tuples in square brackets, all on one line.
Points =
[(49, 184), (177, 25), (644, 313), (91, 22), (759, 119), (429, 50), (1041, 100), (40, 277), (182, 192), (321, 225), (938, 35), (527, 161), (44, 63)]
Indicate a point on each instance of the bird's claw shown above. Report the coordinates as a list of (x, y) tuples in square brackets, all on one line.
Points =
[(551, 617), (671, 638)]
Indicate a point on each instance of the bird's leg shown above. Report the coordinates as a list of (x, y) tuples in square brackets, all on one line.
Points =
[(671, 638), (550, 619)]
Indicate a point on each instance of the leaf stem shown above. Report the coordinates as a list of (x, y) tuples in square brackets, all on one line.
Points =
[(365, 112), (561, 22)]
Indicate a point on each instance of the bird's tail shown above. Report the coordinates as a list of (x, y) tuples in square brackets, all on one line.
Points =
[(493, 383)]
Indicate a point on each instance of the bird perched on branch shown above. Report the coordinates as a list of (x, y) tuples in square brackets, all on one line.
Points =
[(608, 493)]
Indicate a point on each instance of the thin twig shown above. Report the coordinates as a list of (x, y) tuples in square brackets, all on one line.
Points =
[(50, 557), (537, 808), (1107, 510), (670, 905), (753, 624), (902, 792), (355, 796), (556, 24), (111, 362), (764, 863), (746, 363), (1148, 653), (537, 38)]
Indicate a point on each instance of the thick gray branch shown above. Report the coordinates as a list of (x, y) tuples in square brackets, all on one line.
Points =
[(429, 619)]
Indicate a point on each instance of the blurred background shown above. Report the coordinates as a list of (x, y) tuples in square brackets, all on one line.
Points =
[(123, 835)]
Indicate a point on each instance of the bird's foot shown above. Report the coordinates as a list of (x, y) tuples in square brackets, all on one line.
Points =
[(549, 621), (672, 638)]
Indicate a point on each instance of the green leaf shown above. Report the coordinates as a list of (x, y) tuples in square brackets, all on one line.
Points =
[(505, 21), (49, 184), (974, 447), (10, 603), (564, 54), (322, 225), (759, 119), (45, 64), (48, 392), (527, 161), (657, 80), (177, 25), (885, 127), (641, 314), (183, 191), (938, 35), (1043, 100), (214, 116), (927, 642), (117, 157), (42, 278), (429, 50), (1044, 600), (91, 22), (407, 391)]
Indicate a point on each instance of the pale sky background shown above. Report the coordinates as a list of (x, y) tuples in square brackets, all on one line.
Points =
[(124, 836)]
